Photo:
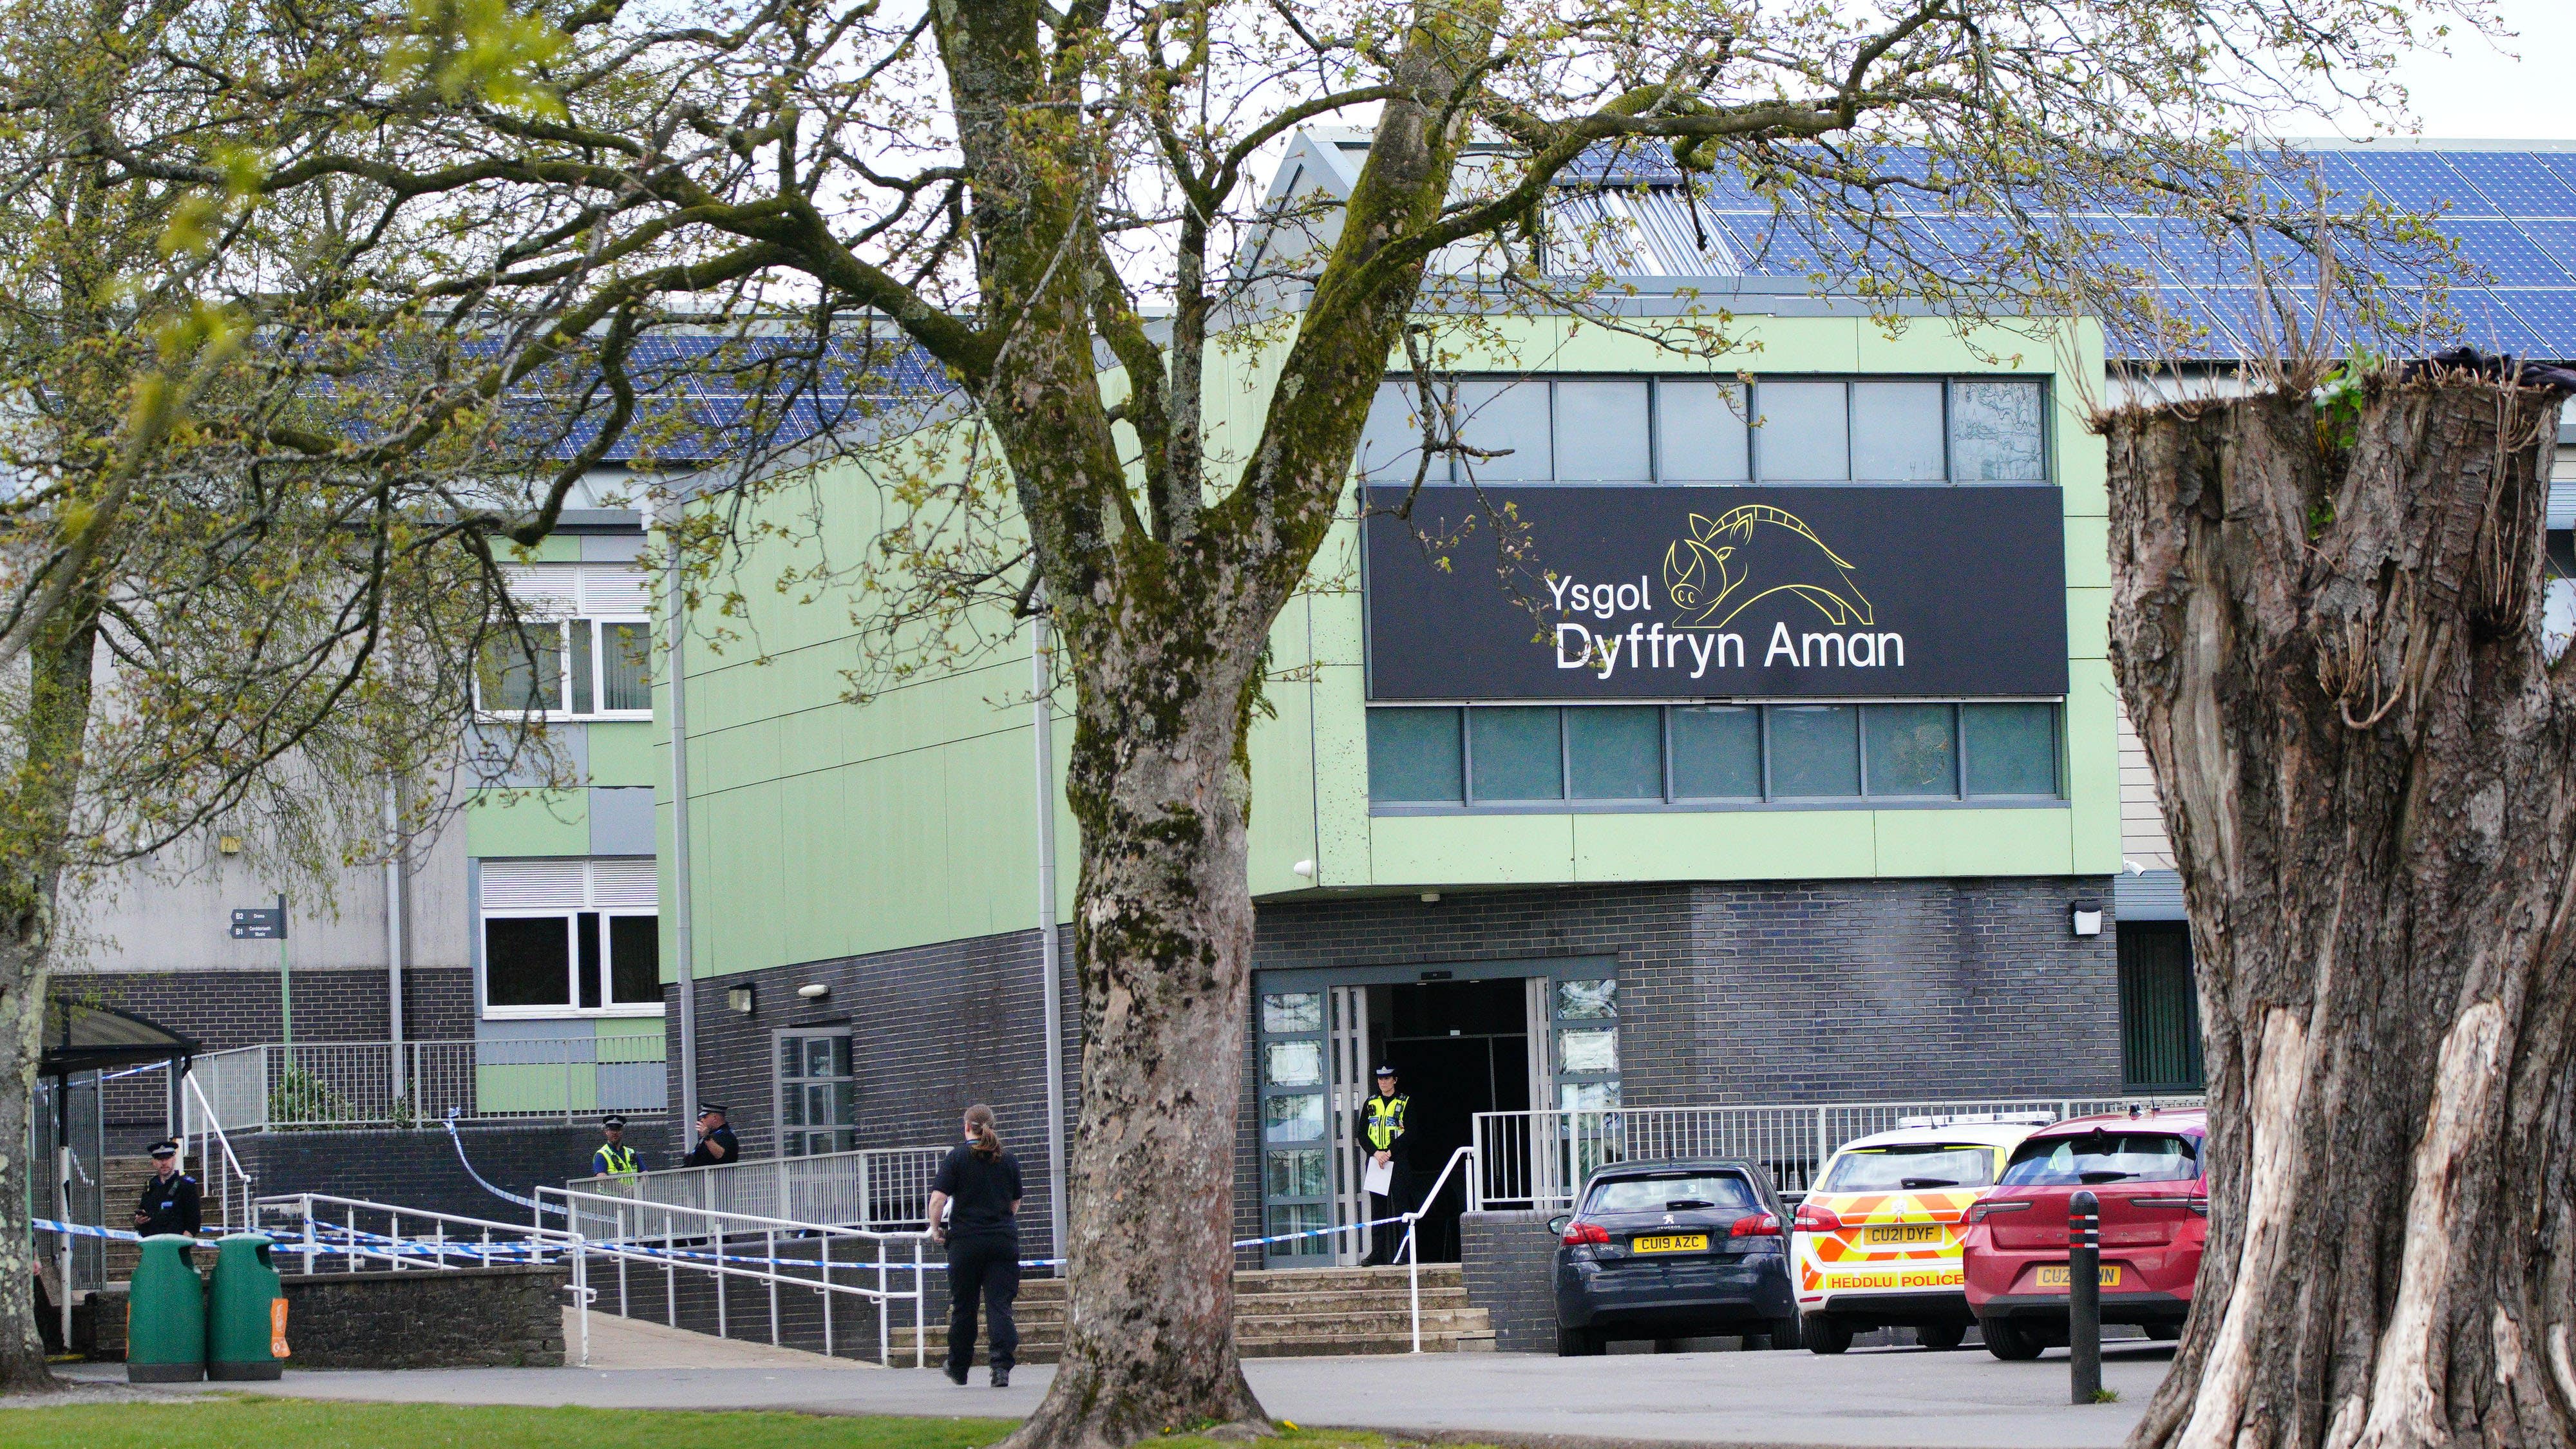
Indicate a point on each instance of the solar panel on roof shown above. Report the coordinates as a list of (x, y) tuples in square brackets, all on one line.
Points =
[(2515, 183), (2501, 248), (2414, 180)]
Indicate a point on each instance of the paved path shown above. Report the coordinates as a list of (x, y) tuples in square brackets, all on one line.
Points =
[(1867, 1399)]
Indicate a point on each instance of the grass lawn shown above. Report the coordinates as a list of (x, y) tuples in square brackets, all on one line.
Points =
[(255, 1423)]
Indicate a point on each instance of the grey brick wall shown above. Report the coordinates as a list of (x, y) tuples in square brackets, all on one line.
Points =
[(457, 1318), (1509, 1260), (419, 1169)]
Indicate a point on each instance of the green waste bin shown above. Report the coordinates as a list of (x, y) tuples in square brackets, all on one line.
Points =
[(165, 1315), (245, 1311)]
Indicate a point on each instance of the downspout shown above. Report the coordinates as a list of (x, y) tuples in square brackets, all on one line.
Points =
[(1042, 721), (394, 933), (683, 934)]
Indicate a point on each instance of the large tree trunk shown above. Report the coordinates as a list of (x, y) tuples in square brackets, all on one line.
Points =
[(35, 814), (2328, 633)]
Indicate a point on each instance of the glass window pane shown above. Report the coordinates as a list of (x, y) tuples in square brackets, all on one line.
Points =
[(1509, 418), (1293, 1011), (1912, 750), (1815, 749), (1305, 1219), (1717, 752), (818, 1104), (1587, 1000), (1603, 423), (1587, 1096), (523, 672), (1413, 755), (634, 960), (1896, 432), (625, 678), (791, 1057), (1996, 434), (1616, 752), (1804, 436), (586, 945), (1517, 754), (818, 1056), (791, 1107), (1588, 1049), (1292, 1064), (1296, 1174), (1293, 1119), (581, 640), (1391, 441), (845, 1103), (841, 1056), (527, 962), (2012, 749), (1701, 433)]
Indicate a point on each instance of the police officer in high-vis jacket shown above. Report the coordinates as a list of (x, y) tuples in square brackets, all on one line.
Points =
[(614, 1158), (1380, 1130)]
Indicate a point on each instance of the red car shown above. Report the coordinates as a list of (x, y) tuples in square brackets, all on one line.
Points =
[(2147, 1170)]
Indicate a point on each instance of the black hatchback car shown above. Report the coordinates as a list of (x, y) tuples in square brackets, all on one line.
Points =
[(1667, 1250)]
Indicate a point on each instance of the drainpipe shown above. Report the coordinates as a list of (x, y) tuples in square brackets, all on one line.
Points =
[(1042, 719), (682, 931), (394, 933)]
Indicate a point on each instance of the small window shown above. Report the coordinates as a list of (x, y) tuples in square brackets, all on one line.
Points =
[(1702, 432), (523, 670), (1717, 752), (1595, 1000), (1391, 442), (1805, 434), (527, 961), (1292, 1064), (1913, 749), (1509, 420), (1517, 754), (2012, 749), (1815, 750), (626, 656), (1588, 1049), (1414, 756), (1997, 433), (634, 961), (1615, 752), (1896, 432), (1603, 430), (1292, 1011), (1293, 1119), (1298, 1173), (594, 974)]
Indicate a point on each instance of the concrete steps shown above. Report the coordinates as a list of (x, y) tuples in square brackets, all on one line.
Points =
[(1283, 1313)]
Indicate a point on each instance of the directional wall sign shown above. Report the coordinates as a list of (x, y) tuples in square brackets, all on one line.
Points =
[(259, 923)]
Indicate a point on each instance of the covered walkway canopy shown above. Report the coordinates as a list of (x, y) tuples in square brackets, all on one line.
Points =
[(85, 1038)]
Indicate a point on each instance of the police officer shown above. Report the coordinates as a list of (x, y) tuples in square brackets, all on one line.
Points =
[(716, 1146), (614, 1158), (170, 1203), (1380, 1130)]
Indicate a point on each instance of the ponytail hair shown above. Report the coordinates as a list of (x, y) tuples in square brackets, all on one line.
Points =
[(979, 1130)]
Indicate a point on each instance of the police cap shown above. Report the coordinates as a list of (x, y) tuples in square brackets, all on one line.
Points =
[(716, 1107), (165, 1148), (613, 1123), (1385, 1070)]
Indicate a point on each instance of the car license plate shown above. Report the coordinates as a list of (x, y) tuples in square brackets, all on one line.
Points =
[(1672, 1243), (1895, 1235), (2063, 1276)]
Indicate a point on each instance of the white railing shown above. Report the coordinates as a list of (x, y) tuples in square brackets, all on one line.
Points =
[(1412, 1248), (420, 1083), (1539, 1159), (879, 1188), (352, 1235), (217, 1167), (655, 1248)]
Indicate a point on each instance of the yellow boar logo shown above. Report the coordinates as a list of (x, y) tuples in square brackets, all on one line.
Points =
[(1748, 554)]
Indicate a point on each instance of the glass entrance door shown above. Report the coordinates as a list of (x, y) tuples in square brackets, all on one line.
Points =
[(1296, 1135)]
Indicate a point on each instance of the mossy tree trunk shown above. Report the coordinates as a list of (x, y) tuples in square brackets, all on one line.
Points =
[(2330, 641)]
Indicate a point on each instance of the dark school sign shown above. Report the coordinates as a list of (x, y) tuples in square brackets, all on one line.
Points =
[(1701, 593)]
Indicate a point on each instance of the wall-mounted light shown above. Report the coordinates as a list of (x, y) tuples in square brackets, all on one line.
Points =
[(739, 998), (228, 844), (1431, 898), (2085, 917), (814, 990), (1305, 868)]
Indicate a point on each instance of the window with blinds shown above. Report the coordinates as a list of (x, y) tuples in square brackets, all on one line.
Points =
[(570, 937), (583, 648), (2159, 1009)]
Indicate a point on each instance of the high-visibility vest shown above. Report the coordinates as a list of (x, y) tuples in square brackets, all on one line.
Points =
[(1385, 1121), (620, 1160)]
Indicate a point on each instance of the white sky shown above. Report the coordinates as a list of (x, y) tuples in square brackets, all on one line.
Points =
[(2480, 93)]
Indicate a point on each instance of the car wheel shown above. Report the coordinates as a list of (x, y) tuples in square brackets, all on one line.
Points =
[(2009, 1341), (1783, 1332), (1579, 1343), (2164, 1332), (1826, 1334), (1943, 1336)]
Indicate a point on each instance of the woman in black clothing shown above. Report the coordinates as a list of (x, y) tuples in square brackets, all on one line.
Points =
[(974, 1210)]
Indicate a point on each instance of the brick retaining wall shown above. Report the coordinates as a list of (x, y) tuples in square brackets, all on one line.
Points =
[(456, 1318), (1510, 1265)]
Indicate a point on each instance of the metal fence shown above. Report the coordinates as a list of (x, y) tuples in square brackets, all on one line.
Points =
[(880, 1189), (1540, 1159), (417, 1083)]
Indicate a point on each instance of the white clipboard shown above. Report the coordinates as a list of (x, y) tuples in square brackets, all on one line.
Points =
[(1379, 1181)]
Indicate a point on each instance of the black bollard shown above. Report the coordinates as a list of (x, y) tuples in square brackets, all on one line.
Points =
[(2084, 1296)]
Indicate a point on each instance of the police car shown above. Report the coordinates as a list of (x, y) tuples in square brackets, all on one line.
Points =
[(1876, 1240)]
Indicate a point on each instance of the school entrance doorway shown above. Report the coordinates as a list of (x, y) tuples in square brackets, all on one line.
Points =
[(1486, 1036)]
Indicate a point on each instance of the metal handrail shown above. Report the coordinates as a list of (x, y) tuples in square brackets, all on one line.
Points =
[(473, 1246), (1412, 1222), (716, 1228), (223, 1181), (878, 1188)]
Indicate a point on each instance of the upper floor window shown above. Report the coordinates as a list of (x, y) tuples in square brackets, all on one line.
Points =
[(570, 668), (570, 937), (1698, 430)]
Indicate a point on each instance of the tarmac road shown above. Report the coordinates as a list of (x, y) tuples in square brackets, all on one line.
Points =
[(1898, 1398)]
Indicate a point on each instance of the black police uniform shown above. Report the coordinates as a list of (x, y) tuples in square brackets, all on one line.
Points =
[(983, 1254), (701, 1156), (1380, 1128), (169, 1205)]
